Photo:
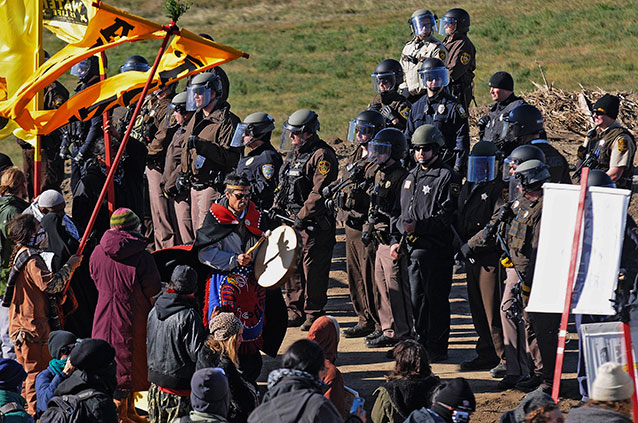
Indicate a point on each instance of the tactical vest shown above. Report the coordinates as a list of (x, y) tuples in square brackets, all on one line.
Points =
[(295, 183), (521, 231), (605, 154)]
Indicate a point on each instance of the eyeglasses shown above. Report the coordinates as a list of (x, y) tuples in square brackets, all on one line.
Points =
[(241, 195), (424, 148)]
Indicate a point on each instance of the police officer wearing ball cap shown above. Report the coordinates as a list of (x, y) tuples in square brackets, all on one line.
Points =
[(390, 268), (309, 167), (523, 126), (442, 110), (454, 25), (209, 155), (613, 145), (261, 163), (353, 202), (483, 192), (491, 125), (423, 45), (175, 185), (429, 198), (385, 82)]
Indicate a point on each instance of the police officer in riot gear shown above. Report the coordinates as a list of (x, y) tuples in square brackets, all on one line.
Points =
[(519, 155), (135, 63), (385, 82), (209, 155), (423, 45), (429, 198), (261, 162), (390, 268), (309, 167), (491, 125), (442, 110), (524, 125), (454, 25)]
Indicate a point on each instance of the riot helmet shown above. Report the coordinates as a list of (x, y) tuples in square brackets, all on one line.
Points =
[(177, 105), (200, 90), (86, 69), (457, 19), (135, 63), (481, 165), (422, 23), (388, 143), (599, 178), (434, 74), (301, 122), (522, 120), (531, 175), (519, 155), (427, 137), (256, 126), (387, 76), (365, 126)]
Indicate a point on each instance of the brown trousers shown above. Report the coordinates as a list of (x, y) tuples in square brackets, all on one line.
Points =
[(183, 219), (34, 358), (200, 204), (162, 212), (391, 278), (484, 296), (360, 268)]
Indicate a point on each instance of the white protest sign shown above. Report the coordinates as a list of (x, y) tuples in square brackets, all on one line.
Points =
[(599, 253)]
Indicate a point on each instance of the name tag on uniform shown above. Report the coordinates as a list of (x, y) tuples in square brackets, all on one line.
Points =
[(407, 184), (199, 161)]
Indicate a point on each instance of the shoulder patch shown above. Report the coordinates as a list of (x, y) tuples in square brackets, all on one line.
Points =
[(465, 58), (323, 167), (268, 170), (622, 144), (57, 101), (442, 55), (461, 111), (407, 184), (405, 112)]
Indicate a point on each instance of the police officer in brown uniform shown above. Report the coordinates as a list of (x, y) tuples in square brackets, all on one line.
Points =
[(390, 268), (385, 82), (612, 146), (482, 194), (209, 156), (423, 45), (309, 167), (454, 25)]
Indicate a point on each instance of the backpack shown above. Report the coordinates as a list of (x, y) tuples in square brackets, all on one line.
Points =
[(69, 408)]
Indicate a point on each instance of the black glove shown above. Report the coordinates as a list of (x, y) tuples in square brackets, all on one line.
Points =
[(299, 224), (64, 154), (182, 184), (411, 58), (340, 200), (482, 122), (366, 238), (505, 213), (375, 106), (582, 152), (592, 133), (192, 141), (78, 159), (389, 113), (488, 232), (466, 251), (330, 205)]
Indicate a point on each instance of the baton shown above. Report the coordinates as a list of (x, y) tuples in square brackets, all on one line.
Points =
[(262, 239)]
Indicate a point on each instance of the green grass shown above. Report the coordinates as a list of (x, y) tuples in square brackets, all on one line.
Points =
[(320, 55)]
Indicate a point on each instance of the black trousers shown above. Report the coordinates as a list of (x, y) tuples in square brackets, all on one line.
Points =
[(545, 327)]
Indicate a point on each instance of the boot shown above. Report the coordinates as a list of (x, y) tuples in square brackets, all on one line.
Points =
[(131, 412), (120, 405)]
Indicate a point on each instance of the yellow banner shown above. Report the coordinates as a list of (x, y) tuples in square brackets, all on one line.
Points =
[(18, 48), (68, 19)]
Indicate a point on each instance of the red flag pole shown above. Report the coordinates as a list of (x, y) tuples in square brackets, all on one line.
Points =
[(170, 30), (626, 329), (107, 139), (562, 334)]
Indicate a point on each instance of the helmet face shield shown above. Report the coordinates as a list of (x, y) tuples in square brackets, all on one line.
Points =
[(449, 22), (198, 97), (509, 130), (481, 168), (379, 152), (286, 136), (434, 78), (383, 82), (138, 67), (238, 137), (360, 132), (423, 25), (170, 119), (81, 69)]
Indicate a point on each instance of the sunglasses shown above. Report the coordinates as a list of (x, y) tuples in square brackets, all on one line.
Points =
[(598, 113), (425, 148), (241, 195)]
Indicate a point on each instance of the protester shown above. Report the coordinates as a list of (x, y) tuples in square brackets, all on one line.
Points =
[(210, 397), (61, 344), (221, 350), (410, 385), (454, 403), (325, 332), (127, 279), (547, 413), (174, 335), (529, 403), (12, 404), (5, 163), (33, 300)]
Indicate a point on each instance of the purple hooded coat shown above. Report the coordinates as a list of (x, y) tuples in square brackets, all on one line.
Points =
[(126, 278)]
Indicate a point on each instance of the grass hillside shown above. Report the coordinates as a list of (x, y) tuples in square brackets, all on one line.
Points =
[(319, 55)]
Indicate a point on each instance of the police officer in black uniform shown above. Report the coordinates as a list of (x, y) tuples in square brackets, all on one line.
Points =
[(441, 109), (310, 166), (386, 79), (261, 162), (429, 199)]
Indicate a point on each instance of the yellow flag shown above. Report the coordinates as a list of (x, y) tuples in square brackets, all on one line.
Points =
[(19, 20), (68, 19)]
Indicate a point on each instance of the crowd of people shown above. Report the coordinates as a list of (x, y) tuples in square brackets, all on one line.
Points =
[(164, 297)]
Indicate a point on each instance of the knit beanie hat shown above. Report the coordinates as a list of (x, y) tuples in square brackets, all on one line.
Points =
[(184, 279), (612, 383), (92, 355), (456, 394), (124, 219), (59, 339), (502, 80), (5, 162), (50, 198), (224, 326), (608, 104), (210, 392), (12, 375)]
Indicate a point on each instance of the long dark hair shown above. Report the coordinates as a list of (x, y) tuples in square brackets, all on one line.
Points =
[(411, 360), (20, 231)]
